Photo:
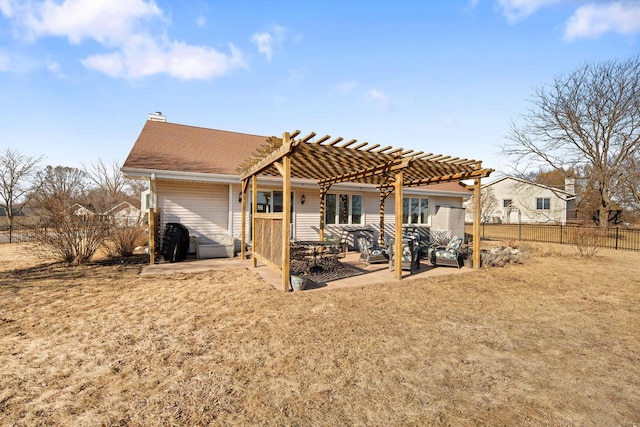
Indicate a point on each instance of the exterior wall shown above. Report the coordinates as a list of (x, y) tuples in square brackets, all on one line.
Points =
[(523, 197), (207, 209), (202, 208), (447, 213)]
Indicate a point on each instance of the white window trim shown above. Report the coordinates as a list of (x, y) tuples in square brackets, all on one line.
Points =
[(419, 210), (350, 214)]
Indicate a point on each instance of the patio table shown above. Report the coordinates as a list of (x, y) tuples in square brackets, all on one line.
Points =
[(315, 247)]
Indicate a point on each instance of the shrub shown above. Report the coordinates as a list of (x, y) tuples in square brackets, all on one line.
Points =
[(587, 241), (69, 237), (122, 240)]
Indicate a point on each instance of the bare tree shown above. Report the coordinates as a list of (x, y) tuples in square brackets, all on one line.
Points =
[(108, 180), (488, 205), (587, 118), (16, 185), (630, 191), (60, 187)]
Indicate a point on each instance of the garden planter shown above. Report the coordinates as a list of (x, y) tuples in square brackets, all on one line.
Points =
[(298, 282)]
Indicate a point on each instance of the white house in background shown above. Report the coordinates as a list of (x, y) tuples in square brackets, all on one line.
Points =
[(193, 180), (80, 210), (125, 214), (520, 201)]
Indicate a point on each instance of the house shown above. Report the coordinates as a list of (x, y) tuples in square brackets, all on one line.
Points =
[(124, 214), (80, 210), (194, 180), (22, 216), (513, 200)]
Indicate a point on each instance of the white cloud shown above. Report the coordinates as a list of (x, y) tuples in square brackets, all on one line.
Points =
[(109, 22), (264, 41), (144, 57), (517, 10), (54, 68), (378, 97), (6, 8), (201, 21), (126, 28), (595, 19), (267, 41)]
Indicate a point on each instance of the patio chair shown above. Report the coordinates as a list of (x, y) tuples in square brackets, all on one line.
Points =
[(371, 253), (410, 255), (341, 244), (447, 255)]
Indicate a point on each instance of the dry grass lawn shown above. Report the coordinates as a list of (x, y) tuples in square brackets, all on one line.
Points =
[(555, 341)]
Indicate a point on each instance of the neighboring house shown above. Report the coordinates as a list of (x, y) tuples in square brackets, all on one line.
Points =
[(80, 210), (124, 214), (520, 201), (22, 217), (193, 180)]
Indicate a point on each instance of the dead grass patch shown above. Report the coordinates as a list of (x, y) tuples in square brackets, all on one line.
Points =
[(550, 342)]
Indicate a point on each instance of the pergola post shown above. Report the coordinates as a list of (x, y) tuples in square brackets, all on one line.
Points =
[(323, 195), (397, 244), (384, 193), (286, 216), (254, 210), (476, 222), (243, 228), (383, 196)]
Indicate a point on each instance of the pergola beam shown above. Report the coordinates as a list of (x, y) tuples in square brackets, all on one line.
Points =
[(372, 171), (269, 159), (481, 173)]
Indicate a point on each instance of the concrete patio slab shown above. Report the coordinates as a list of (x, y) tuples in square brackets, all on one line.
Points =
[(371, 273)]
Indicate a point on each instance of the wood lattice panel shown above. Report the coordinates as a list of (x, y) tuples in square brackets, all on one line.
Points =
[(267, 241)]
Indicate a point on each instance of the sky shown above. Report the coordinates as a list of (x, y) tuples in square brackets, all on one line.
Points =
[(78, 78)]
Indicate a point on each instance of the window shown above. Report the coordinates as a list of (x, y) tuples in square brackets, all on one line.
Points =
[(506, 203), (271, 201), (543, 203), (343, 209), (415, 210)]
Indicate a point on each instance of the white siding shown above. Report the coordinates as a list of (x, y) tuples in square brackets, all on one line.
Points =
[(207, 209), (202, 208), (523, 196), (447, 214)]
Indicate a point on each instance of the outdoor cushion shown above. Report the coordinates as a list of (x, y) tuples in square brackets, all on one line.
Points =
[(449, 254)]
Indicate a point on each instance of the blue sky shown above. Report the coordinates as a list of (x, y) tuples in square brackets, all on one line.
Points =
[(78, 77)]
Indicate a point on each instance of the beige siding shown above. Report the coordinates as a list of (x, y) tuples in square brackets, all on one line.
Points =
[(214, 209), (202, 208), (447, 213), (236, 212)]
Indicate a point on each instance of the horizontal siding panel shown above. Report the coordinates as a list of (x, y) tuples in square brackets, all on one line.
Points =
[(202, 208)]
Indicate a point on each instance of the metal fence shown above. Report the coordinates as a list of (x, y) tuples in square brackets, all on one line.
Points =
[(615, 237), (19, 234)]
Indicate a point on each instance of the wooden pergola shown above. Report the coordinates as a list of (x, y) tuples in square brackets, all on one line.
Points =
[(330, 161)]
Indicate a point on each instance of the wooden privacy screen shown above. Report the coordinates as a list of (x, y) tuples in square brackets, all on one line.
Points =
[(267, 239)]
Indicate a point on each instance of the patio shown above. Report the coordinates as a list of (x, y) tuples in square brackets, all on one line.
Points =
[(329, 162), (370, 274)]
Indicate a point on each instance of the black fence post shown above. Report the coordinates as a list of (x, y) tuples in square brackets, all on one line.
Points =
[(617, 235), (519, 230), (561, 242)]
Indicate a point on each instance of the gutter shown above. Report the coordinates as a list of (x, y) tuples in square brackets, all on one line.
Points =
[(157, 174)]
